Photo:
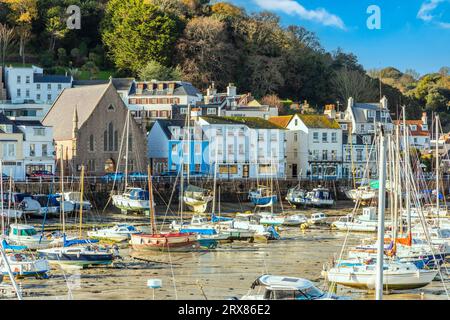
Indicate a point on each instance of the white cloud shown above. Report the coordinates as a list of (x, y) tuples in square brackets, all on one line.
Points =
[(426, 10), (292, 7)]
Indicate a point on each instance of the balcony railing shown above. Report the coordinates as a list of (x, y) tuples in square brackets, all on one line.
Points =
[(322, 159)]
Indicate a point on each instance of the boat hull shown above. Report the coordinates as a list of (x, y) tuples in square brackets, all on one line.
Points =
[(264, 201), (404, 281), (127, 204), (165, 242), (195, 205)]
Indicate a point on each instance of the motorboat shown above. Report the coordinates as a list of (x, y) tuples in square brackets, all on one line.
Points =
[(119, 232), (25, 265), (262, 197), (295, 220), (317, 218), (366, 222), (320, 197), (271, 219), (23, 202), (51, 205), (297, 197), (197, 198), (271, 287), (26, 235), (252, 222), (132, 200)]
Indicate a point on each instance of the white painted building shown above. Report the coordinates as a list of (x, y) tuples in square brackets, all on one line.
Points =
[(244, 147), (38, 147), (314, 146), (31, 85), (419, 132)]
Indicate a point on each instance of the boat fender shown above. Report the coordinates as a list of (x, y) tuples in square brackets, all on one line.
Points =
[(78, 255)]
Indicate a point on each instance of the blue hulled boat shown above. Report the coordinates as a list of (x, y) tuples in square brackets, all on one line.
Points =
[(262, 197)]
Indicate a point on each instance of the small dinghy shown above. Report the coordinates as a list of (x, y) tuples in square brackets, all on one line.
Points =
[(286, 288), (262, 197), (120, 232), (175, 241)]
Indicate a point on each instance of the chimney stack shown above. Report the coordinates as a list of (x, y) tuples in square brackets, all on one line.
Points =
[(424, 118), (231, 90), (330, 111)]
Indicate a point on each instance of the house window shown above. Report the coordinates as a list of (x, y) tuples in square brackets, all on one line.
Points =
[(39, 131), (424, 127), (211, 111), (18, 92), (49, 96), (359, 155), (49, 86), (44, 150), (27, 79), (315, 154), (334, 137), (362, 128), (59, 86), (105, 140), (315, 137), (9, 150), (273, 137), (324, 137), (38, 86), (344, 126), (38, 97), (333, 155), (348, 155), (91, 143), (198, 148), (367, 139), (27, 93), (32, 150), (413, 127), (295, 153), (19, 80), (218, 132), (219, 149), (296, 122), (116, 141), (183, 110), (241, 148), (295, 137), (230, 149), (324, 154)]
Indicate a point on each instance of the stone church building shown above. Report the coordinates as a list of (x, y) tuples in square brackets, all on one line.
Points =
[(90, 125)]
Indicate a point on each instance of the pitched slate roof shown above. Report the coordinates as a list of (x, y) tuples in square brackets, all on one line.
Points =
[(165, 124), (251, 122), (50, 78), (122, 83), (60, 115), (319, 121), (78, 83), (181, 89), (5, 120), (281, 121)]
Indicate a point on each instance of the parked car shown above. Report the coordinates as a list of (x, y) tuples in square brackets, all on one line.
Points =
[(137, 176), (41, 174), (112, 176)]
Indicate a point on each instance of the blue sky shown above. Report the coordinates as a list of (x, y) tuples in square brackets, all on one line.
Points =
[(414, 33)]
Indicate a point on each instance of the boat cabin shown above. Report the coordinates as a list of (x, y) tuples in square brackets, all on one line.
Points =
[(369, 214), (287, 288), (21, 230), (136, 194)]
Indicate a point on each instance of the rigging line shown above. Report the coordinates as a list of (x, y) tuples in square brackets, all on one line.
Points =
[(117, 165), (170, 200), (173, 274)]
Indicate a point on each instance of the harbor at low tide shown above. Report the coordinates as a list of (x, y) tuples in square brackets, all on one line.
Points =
[(223, 273)]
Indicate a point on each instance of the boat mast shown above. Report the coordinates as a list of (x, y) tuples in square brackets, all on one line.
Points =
[(126, 148), (381, 208), (189, 142), (406, 168), (437, 167), (63, 218), (1, 194), (215, 179), (9, 198), (150, 199), (81, 197)]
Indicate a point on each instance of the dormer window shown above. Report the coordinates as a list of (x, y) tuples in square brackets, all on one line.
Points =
[(425, 127), (413, 127)]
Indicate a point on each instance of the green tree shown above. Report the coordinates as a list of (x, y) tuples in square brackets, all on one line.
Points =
[(136, 31), (154, 70)]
